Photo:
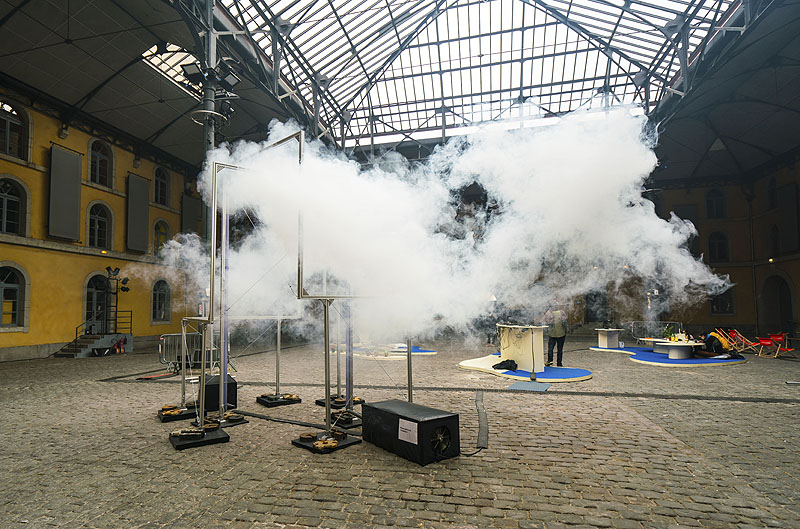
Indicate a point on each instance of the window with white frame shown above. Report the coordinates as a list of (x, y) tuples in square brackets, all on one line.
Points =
[(161, 300), (100, 163), (99, 227), (160, 235), (13, 132), (12, 207), (161, 190), (12, 287)]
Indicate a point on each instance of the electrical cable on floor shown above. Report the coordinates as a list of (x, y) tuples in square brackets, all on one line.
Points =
[(483, 425)]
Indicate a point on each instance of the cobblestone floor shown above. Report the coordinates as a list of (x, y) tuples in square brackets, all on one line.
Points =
[(636, 446)]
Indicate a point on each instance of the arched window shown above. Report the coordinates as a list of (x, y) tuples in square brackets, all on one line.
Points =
[(13, 132), (715, 204), (99, 227), (100, 164), (160, 235), (717, 247), (161, 191), (12, 288), (161, 310), (12, 207)]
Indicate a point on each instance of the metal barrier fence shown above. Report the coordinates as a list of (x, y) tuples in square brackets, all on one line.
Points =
[(653, 329), (169, 351)]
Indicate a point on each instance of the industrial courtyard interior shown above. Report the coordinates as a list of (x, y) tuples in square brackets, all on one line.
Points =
[(431, 171)]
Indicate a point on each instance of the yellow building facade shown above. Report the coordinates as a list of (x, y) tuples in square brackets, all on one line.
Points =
[(60, 246)]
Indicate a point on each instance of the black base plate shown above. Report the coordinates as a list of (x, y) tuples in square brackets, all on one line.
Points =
[(210, 438), (186, 413), (348, 440), (271, 401), (321, 402), (345, 421)]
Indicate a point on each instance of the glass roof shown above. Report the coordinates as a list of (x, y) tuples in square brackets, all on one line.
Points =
[(394, 69), (168, 62)]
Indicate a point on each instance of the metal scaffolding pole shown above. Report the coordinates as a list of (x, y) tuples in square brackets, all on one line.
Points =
[(223, 305)]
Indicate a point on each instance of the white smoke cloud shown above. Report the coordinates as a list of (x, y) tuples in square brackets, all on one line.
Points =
[(572, 220)]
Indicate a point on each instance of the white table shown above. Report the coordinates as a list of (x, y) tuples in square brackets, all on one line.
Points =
[(608, 338), (681, 350), (676, 350), (524, 344)]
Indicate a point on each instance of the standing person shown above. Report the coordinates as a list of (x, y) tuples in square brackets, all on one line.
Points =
[(557, 319)]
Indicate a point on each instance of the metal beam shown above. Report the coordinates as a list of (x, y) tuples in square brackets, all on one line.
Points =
[(497, 63), (13, 12), (82, 102), (454, 98)]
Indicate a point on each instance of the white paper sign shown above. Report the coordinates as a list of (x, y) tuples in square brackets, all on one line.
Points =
[(407, 431)]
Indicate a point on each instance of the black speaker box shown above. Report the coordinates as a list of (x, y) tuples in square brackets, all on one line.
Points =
[(417, 433), (212, 393)]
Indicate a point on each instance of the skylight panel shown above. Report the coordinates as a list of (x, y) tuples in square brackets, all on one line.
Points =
[(481, 53), (168, 63)]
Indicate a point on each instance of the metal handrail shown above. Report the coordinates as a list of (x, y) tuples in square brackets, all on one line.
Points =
[(85, 323), (123, 324), (127, 322)]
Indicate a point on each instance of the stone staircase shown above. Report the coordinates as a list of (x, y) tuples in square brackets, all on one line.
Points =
[(84, 346)]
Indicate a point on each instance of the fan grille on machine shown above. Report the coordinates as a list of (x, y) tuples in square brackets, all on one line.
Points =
[(440, 440)]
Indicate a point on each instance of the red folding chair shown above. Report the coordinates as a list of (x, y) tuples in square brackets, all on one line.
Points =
[(769, 345), (780, 345), (741, 343)]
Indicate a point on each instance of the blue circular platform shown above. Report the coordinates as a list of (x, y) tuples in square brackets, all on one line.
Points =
[(626, 350), (550, 375), (662, 359)]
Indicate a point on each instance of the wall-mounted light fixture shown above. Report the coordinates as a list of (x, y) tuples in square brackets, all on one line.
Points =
[(63, 132)]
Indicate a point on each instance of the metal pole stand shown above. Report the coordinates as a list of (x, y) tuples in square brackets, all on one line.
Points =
[(337, 401), (278, 399), (180, 412), (207, 434), (408, 359), (347, 418), (331, 439)]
